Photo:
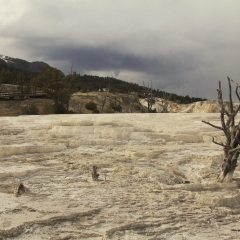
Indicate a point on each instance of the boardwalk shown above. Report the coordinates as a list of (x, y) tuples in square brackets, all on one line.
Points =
[(21, 95)]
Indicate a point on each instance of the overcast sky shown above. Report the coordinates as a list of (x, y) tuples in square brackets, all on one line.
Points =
[(182, 46)]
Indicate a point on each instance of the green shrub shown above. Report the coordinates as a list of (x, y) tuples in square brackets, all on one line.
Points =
[(118, 108), (71, 112), (59, 109), (114, 107), (48, 108), (153, 101), (109, 110), (91, 105), (30, 109), (153, 110), (95, 110)]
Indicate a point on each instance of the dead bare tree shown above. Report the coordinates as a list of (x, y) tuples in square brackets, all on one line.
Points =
[(164, 102), (79, 108), (103, 100), (149, 96), (231, 131)]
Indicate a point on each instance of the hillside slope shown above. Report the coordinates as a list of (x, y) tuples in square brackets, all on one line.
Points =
[(129, 104), (21, 64)]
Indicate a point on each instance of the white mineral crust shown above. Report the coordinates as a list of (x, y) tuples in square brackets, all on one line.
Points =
[(157, 178)]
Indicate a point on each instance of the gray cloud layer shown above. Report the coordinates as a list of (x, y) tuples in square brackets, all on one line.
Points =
[(182, 46)]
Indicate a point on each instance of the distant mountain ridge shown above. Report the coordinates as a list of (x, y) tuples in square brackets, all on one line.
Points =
[(23, 65)]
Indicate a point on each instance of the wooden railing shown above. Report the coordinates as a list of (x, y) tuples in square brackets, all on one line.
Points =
[(21, 95)]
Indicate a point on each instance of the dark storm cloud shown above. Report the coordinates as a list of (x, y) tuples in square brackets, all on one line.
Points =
[(172, 72), (180, 46), (103, 58)]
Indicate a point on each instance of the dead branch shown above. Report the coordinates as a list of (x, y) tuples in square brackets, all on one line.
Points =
[(212, 125), (221, 144), (220, 101), (234, 150)]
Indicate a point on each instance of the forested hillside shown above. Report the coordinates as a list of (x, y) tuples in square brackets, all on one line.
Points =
[(53, 84)]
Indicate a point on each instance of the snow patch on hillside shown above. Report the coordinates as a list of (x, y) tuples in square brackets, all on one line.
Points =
[(5, 58)]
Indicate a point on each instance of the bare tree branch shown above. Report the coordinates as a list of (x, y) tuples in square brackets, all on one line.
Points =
[(230, 97), (212, 125), (221, 144), (234, 82), (237, 110), (237, 86), (234, 149), (237, 93), (220, 101)]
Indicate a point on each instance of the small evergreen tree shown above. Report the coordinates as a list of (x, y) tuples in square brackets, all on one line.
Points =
[(91, 105)]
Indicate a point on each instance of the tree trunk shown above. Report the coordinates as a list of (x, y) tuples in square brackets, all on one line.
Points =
[(95, 175), (228, 167)]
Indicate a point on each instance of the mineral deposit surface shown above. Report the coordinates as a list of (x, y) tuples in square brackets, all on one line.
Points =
[(157, 178)]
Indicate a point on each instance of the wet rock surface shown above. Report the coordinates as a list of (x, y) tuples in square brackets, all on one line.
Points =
[(157, 178)]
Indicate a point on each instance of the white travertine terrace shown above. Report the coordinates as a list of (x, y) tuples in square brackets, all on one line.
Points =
[(157, 178)]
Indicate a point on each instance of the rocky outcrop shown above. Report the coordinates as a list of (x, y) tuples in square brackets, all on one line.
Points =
[(162, 105)]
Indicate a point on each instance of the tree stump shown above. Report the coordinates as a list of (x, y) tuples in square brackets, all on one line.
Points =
[(95, 175), (20, 189)]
